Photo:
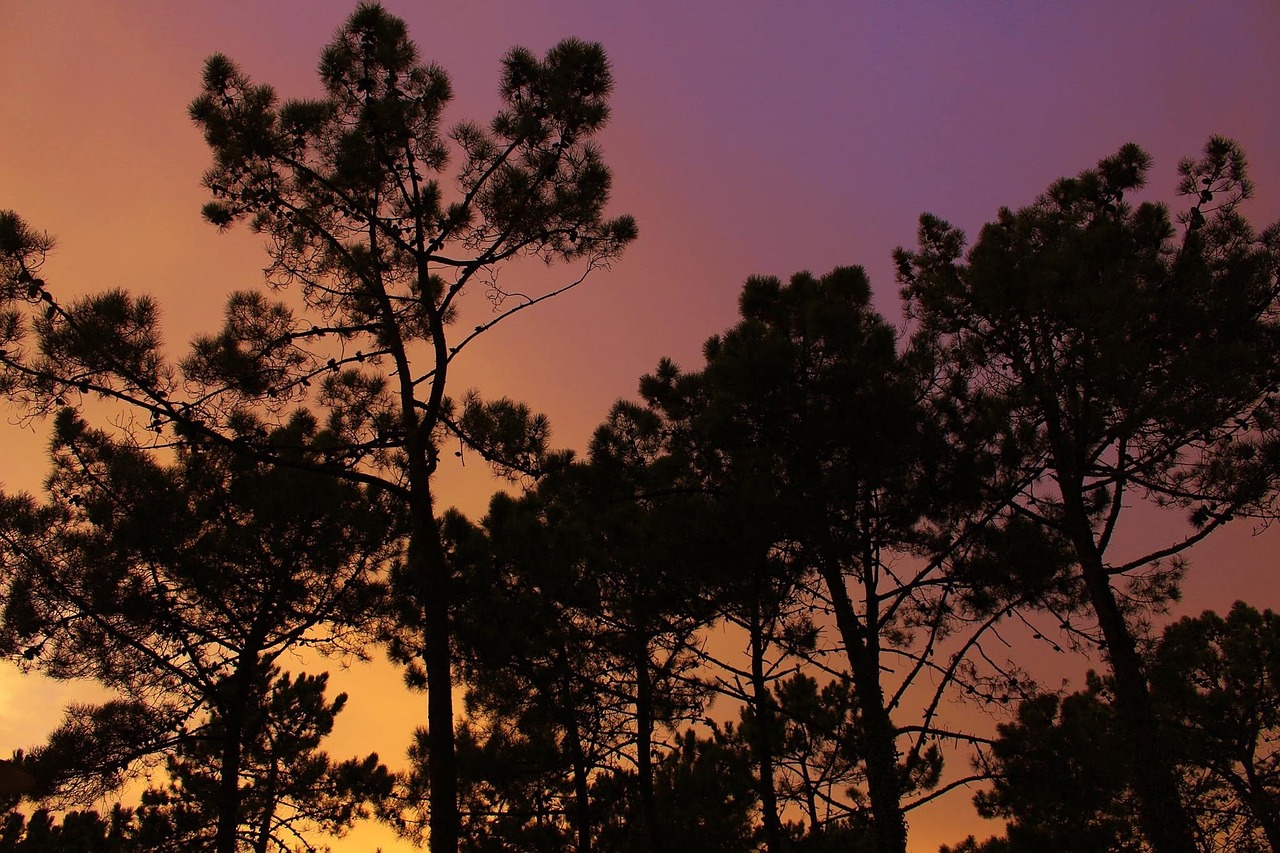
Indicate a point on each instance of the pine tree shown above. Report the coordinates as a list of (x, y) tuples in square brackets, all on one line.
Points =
[(380, 242), (180, 585), (813, 435), (1126, 365)]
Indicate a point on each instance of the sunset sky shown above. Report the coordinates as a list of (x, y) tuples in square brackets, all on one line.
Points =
[(747, 137)]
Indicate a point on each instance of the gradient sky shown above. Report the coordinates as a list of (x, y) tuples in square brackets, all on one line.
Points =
[(747, 137)]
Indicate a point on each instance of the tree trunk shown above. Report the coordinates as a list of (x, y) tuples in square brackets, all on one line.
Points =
[(1160, 811), (581, 788), (644, 747), (763, 745), (879, 751), (233, 720), (427, 561), (1262, 803), (229, 784)]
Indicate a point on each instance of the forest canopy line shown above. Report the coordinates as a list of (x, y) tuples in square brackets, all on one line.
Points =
[(866, 512)]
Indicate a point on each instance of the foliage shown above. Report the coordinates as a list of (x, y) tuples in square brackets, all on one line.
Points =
[(180, 585), (1061, 776), (290, 791), (1126, 365), (77, 832)]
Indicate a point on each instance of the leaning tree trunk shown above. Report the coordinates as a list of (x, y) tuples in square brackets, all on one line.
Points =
[(1262, 803), (1160, 812)]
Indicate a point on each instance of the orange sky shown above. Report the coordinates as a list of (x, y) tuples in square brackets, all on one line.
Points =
[(747, 138)]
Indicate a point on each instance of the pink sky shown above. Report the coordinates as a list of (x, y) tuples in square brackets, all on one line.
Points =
[(747, 137)]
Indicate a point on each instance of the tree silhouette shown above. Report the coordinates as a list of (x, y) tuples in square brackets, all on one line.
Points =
[(180, 585), (644, 555), (289, 789), (1216, 680), (78, 832), (760, 598), (817, 749), (1061, 777), (346, 189), (704, 792), (549, 671), (1061, 774), (1128, 365), (576, 633), (380, 249), (538, 717), (814, 434)]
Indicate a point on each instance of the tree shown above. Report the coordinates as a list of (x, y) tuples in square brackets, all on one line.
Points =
[(1060, 776), (1060, 772), (576, 636), (816, 436), (643, 554), (537, 660), (1216, 680), (289, 788), (180, 586), (744, 574), (1128, 365), (817, 752), (78, 832), (348, 190), (706, 797), (345, 189), (764, 603), (538, 719)]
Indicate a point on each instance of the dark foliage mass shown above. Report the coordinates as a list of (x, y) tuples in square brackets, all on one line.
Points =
[(182, 587), (1059, 771), (742, 619)]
